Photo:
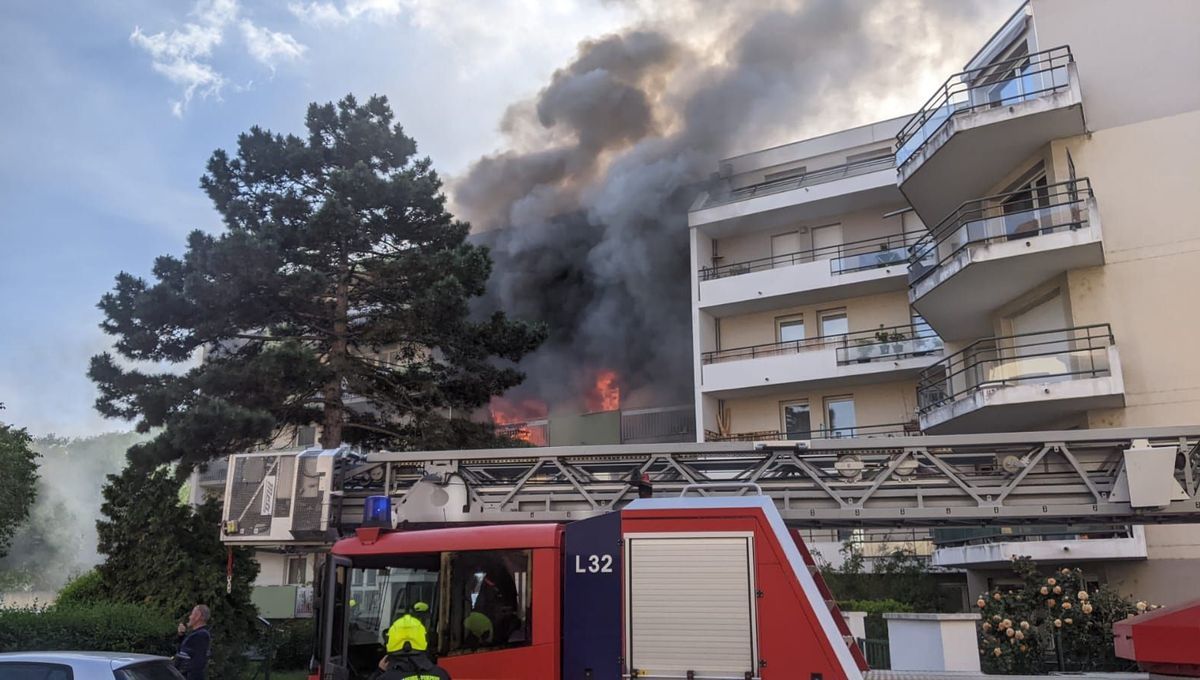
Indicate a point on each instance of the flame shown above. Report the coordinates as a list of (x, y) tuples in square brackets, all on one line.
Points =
[(606, 392), (512, 419)]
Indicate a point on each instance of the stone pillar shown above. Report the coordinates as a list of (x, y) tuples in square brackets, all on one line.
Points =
[(933, 642)]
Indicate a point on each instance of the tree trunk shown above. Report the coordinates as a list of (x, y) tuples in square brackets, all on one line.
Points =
[(331, 430)]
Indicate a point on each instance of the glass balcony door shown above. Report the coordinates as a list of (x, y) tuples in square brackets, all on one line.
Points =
[(797, 421), (840, 420)]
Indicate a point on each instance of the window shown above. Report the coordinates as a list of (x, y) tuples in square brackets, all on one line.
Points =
[(384, 589), (306, 436), (297, 570), (839, 416), (150, 670), (790, 173), (34, 671), (490, 606), (796, 421), (872, 155), (790, 329), (834, 322), (1023, 209)]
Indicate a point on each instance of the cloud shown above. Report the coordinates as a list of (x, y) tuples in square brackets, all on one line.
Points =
[(327, 13), (268, 47), (183, 55)]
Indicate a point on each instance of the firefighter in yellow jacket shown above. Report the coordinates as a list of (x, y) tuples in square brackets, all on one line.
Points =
[(407, 649)]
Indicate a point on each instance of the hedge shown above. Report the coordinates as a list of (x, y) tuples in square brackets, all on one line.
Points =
[(85, 589), (102, 626)]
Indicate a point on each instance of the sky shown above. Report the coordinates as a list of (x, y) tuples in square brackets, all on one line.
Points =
[(110, 111)]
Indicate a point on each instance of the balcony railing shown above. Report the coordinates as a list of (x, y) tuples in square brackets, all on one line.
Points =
[(950, 538), (1010, 216), (998, 84), (909, 429), (799, 181), (882, 344), (844, 258), (1047, 356)]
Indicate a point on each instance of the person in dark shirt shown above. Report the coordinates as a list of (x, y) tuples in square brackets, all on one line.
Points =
[(194, 644)]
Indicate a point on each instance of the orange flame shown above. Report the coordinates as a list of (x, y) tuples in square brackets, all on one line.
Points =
[(606, 392), (511, 419)]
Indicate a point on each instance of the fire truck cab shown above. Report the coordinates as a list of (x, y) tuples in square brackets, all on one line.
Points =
[(664, 588)]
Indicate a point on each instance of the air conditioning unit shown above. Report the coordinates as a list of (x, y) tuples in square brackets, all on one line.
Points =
[(281, 497)]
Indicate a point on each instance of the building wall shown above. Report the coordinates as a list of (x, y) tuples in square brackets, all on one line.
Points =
[(862, 314), (875, 404), (1143, 175), (1135, 62)]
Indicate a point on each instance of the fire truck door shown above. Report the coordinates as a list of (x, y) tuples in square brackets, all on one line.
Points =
[(333, 626)]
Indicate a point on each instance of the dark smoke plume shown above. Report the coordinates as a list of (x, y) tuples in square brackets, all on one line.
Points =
[(586, 211)]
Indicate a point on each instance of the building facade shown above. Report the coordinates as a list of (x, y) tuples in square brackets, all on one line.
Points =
[(1017, 255)]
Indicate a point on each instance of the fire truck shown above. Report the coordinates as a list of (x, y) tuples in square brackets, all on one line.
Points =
[(669, 560)]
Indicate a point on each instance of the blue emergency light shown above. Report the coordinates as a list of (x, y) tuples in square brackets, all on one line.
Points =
[(377, 512)]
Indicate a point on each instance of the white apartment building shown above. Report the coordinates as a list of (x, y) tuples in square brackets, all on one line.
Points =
[(1020, 254)]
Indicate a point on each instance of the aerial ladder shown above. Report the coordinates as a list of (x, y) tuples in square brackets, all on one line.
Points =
[(664, 560)]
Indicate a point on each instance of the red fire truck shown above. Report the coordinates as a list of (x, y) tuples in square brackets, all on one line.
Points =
[(664, 588)]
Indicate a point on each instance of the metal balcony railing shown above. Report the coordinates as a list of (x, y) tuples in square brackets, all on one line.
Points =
[(871, 253), (1047, 356), (1011, 216), (998, 84), (882, 344), (951, 538), (910, 429), (801, 180)]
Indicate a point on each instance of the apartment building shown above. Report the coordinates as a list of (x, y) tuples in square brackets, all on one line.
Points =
[(1039, 201)]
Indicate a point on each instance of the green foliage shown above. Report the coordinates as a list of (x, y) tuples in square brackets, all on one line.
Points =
[(900, 575), (102, 626), (18, 483), (337, 246), (1024, 625), (85, 589), (293, 639), (166, 556)]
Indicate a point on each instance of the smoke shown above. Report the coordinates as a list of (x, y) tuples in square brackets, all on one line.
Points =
[(59, 540), (586, 208)]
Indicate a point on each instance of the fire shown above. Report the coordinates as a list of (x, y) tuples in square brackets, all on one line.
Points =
[(512, 418), (605, 394)]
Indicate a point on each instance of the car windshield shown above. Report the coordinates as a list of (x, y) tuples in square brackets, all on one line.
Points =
[(387, 589), (148, 670)]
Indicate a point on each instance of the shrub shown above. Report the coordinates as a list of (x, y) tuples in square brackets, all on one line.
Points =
[(1024, 627), (104, 626), (85, 589), (293, 642)]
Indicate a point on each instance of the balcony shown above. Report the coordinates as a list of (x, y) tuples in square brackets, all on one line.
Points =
[(1021, 382), (887, 430), (997, 546), (993, 249), (809, 195), (982, 123), (867, 267), (846, 359)]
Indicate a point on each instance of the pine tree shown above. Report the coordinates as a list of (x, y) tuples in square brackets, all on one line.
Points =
[(336, 246), (18, 481)]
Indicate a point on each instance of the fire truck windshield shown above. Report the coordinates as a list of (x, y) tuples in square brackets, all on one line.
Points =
[(484, 597)]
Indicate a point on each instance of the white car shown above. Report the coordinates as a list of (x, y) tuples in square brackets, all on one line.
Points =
[(85, 666)]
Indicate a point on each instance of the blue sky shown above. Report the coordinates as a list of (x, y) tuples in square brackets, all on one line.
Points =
[(102, 151)]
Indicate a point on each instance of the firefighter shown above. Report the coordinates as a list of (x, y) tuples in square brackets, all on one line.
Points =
[(407, 655)]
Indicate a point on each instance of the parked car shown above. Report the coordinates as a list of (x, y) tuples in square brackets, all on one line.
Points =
[(85, 666)]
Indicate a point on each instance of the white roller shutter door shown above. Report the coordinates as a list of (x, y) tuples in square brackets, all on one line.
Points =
[(690, 606)]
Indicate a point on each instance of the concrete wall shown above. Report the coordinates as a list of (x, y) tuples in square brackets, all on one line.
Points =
[(876, 404), (862, 314), (1136, 61)]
